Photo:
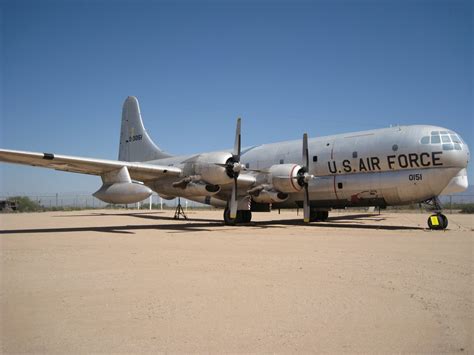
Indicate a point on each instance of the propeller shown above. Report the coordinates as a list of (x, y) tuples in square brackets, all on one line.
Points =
[(304, 177), (233, 168)]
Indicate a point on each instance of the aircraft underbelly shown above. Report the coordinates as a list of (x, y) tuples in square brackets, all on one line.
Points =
[(372, 189), (397, 187)]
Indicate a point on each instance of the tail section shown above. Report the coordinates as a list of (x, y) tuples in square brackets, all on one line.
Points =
[(135, 143)]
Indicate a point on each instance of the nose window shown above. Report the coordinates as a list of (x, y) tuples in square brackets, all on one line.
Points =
[(448, 146), (425, 140), (457, 146)]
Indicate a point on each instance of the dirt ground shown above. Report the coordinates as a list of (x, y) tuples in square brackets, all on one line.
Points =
[(139, 281)]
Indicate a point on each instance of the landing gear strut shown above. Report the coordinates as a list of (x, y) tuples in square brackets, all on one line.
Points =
[(436, 221), (242, 217)]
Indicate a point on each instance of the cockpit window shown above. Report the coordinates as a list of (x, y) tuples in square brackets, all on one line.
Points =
[(455, 138), (445, 139)]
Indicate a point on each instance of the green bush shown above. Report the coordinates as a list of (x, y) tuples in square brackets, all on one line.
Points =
[(25, 204), (467, 208)]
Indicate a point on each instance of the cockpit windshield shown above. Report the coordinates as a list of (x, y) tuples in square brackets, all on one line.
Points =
[(449, 140)]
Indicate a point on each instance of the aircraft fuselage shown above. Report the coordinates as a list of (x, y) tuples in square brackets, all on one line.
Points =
[(389, 166)]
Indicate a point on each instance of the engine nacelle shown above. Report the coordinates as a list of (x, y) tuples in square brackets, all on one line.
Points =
[(206, 166), (266, 196), (284, 177), (123, 192)]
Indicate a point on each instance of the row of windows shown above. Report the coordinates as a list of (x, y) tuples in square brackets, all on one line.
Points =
[(436, 138)]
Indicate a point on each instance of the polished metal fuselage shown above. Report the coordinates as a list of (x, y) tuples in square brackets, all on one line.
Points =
[(389, 166)]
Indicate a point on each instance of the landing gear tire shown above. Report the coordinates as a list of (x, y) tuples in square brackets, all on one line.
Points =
[(438, 221), (246, 216), (230, 221), (242, 217), (319, 216)]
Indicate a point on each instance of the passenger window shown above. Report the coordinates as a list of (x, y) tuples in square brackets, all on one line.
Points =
[(315, 158), (354, 154), (281, 161), (457, 146), (435, 139), (445, 139), (425, 140), (247, 165), (339, 185), (448, 146)]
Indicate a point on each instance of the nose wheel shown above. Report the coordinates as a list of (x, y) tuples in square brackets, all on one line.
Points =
[(438, 221)]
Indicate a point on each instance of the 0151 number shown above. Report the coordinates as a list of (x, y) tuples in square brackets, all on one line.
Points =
[(415, 177)]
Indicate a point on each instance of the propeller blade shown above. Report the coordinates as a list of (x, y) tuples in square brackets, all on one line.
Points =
[(305, 152), (306, 207), (237, 143), (233, 200)]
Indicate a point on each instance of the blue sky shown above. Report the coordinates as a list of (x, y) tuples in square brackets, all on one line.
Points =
[(286, 67)]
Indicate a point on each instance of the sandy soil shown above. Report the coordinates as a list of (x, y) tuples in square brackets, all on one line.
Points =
[(139, 281)]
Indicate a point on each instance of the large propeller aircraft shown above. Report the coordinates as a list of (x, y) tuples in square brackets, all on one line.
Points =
[(390, 166)]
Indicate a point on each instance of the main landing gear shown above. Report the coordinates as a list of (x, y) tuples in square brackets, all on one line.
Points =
[(242, 217), (436, 221), (318, 216)]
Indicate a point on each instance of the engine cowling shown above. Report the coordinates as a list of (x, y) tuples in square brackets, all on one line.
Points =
[(210, 166), (123, 192), (284, 177)]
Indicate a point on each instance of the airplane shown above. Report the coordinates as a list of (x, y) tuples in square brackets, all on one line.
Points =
[(383, 167)]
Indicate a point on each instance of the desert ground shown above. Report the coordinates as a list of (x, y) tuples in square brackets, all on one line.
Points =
[(140, 281)]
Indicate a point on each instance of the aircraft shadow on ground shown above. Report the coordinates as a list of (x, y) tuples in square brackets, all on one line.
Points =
[(202, 225)]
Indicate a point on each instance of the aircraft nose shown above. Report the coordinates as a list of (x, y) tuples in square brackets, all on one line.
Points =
[(466, 154)]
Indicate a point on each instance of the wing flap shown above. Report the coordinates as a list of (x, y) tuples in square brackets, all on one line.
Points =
[(138, 171)]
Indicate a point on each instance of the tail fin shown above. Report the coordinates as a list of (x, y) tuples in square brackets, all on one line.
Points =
[(135, 143)]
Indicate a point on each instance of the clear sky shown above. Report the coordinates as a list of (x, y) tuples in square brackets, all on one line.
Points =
[(286, 67)]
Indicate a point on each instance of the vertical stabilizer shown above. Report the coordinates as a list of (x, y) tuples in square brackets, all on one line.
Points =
[(135, 143)]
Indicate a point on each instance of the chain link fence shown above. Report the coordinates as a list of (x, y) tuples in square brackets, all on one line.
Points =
[(82, 200), (73, 201)]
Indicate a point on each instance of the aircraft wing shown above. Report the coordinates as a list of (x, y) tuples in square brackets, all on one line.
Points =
[(138, 171)]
